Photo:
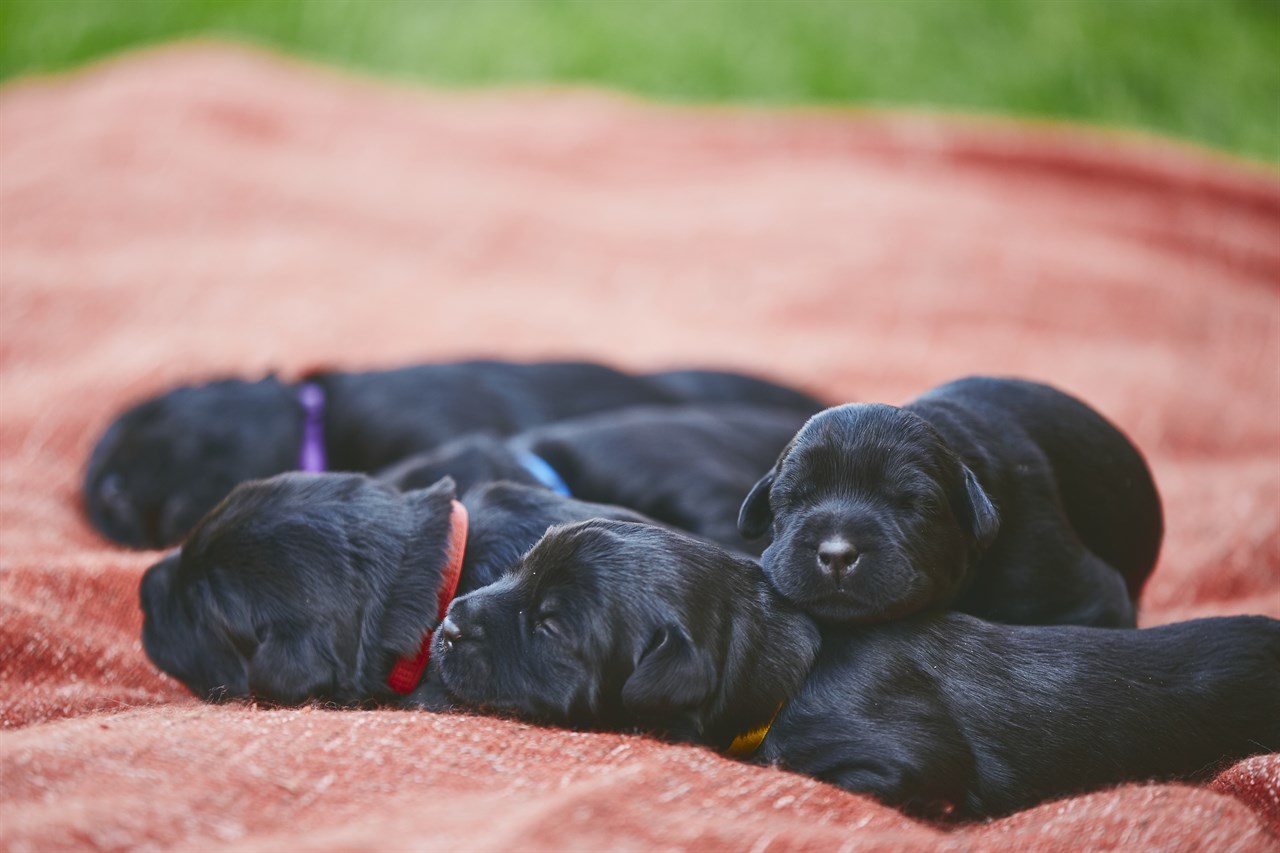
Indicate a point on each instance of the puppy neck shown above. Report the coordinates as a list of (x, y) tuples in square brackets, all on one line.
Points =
[(407, 672)]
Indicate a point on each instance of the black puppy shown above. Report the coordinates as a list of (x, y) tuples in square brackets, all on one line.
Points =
[(996, 497), (686, 466), (618, 625), (167, 461), (323, 586)]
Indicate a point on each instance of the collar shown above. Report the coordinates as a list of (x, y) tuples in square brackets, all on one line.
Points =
[(408, 670), (543, 472), (311, 458), (745, 745)]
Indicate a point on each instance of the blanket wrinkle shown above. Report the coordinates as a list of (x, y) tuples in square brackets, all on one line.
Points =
[(206, 210)]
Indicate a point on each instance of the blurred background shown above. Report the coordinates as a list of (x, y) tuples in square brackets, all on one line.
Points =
[(1206, 71)]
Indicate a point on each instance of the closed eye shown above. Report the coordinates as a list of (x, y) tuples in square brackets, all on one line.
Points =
[(785, 498), (918, 503), (548, 625)]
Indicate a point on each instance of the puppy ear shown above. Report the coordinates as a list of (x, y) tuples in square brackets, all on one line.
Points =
[(671, 676), (442, 490), (289, 670), (984, 521), (181, 643), (430, 507), (756, 514)]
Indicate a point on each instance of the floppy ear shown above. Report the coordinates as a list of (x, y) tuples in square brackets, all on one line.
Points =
[(671, 676), (183, 644), (984, 521), (756, 514), (438, 494), (289, 670), (184, 632)]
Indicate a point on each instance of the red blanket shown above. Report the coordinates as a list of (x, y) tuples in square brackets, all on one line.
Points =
[(206, 210)]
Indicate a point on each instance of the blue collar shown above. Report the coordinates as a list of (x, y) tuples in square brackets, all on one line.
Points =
[(543, 472)]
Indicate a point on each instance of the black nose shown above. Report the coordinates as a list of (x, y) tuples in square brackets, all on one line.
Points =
[(450, 633), (836, 556)]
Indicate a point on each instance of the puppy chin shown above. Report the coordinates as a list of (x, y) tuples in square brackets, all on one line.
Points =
[(460, 672), (847, 609), (465, 677), (431, 694), (872, 593), (447, 667)]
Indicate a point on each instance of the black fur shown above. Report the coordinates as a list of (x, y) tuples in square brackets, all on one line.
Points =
[(310, 586), (948, 715), (167, 461), (618, 625), (623, 625), (996, 497), (686, 466)]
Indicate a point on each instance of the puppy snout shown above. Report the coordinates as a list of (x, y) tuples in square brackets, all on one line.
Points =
[(836, 556), (462, 623), (450, 633)]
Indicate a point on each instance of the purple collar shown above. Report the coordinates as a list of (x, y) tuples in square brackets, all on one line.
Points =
[(311, 458)]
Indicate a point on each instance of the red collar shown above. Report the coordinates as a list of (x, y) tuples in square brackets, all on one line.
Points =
[(407, 672)]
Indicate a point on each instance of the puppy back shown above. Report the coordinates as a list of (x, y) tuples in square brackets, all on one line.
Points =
[(1105, 485)]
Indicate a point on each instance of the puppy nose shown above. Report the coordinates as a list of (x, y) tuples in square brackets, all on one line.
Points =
[(450, 632), (836, 556)]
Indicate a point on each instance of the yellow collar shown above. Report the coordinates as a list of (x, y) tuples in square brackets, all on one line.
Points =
[(746, 744)]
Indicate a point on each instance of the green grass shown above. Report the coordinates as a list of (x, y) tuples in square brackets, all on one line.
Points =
[(1205, 70)]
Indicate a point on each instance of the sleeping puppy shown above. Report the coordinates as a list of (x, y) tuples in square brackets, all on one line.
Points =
[(996, 497), (167, 461), (607, 624), (686, 466), (323, 586)]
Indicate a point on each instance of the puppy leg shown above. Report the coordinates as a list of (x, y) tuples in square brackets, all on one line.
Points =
[(1101, 599), (1072, 587), (905, 788)]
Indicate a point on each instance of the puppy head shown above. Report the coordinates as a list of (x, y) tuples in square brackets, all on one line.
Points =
[(167, 461), (297, 588), (873, 516), (619, 624)]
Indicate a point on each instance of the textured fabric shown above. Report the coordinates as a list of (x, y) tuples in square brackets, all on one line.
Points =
[(206, 211)]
